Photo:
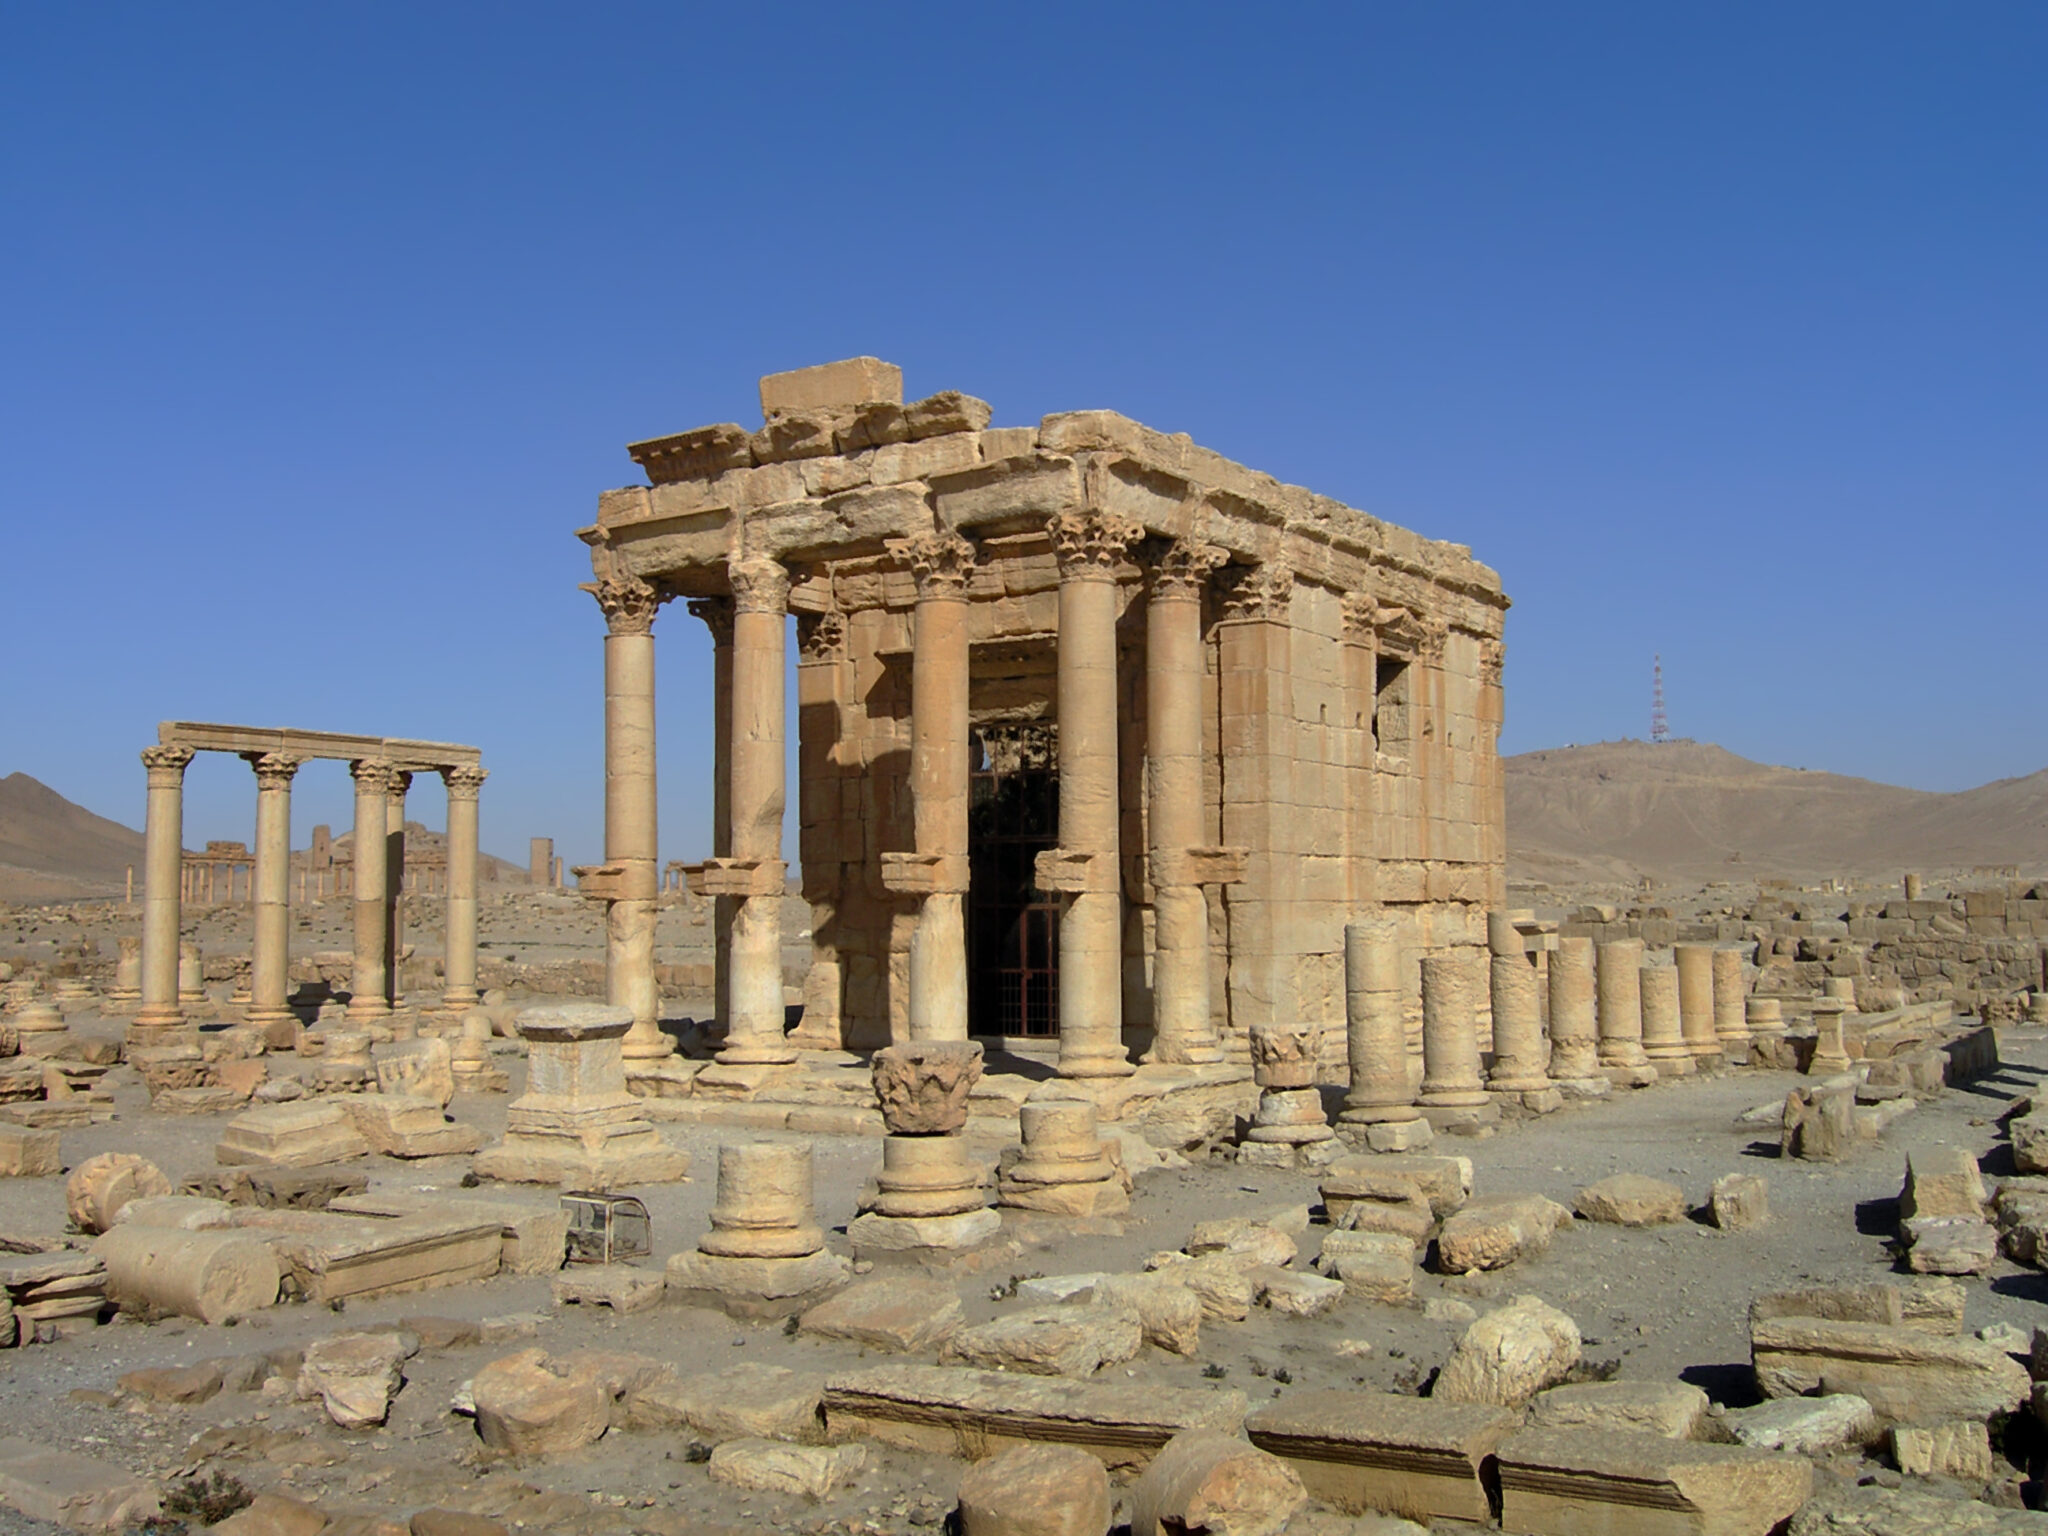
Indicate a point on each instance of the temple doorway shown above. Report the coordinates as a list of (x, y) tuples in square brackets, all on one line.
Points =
[(1012, 926)]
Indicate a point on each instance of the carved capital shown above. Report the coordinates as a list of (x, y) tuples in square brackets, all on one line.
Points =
[(1182, 570), (940, 563), (373, 775), (759, 585), (716, 612), (274, 770), (166, 765), (1089, 543), (1435, 634), (1361, 618), (821, 636), (628, 603), (1258, 594), (465, 782), (1493, 656)]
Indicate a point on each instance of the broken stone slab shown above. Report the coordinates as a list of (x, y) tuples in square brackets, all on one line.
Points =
[(184, 1385), (1367, 1451), (1168, 1311), (1949, 1245), (1510, 1354), (1906, 1375), (534, 1405), (26, 1153), (1942, 1181), (1583, 1482), (1071, 1341), (1673, 1409), (749, 1401), (71, 1490), (1806, 1426), (1446, 1182), (408, 1126), (1249, 1243), (536, 1237), (208, 1275), (1035, 1490), (2029, 1135), (1958, 1449), (899, 1313), (328, 1257), (1378, 1266), (1849, 1509), (618, 1286), (297, 1135), (1930, 1305), (355, 1375), (873, 1232), (1225, 1290), (417, 1068), (756, 1288), (1631, 1200), (968, 1414), (190, 1213), (770, 1466), (1296, 1295), (1498, 1230), (1203, 1480), (1740, 1202)]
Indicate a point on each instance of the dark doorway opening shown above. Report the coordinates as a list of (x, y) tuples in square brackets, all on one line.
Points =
[(1012, 926)]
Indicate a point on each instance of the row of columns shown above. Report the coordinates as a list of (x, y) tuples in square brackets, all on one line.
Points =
[(380, 789)]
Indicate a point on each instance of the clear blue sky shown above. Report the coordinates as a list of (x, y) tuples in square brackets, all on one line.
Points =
[(1718, 330)]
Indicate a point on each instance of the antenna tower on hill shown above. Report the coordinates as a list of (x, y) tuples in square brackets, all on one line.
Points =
[(1660, 727)]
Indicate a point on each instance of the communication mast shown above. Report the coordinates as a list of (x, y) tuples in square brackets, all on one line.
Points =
[(1660, 727)]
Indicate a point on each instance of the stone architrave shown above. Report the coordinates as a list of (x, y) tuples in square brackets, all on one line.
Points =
[(576, 1125), (930, 1193), (1621, 1014), (1664, 1040), (1452, 1093), (1290, 1127), (1064, 1168), (1696, 1004), (270, 959), (1381, 1097), (163, 873), (369, 977), (765, 1254), (1574, 1028), (1518, 1071)]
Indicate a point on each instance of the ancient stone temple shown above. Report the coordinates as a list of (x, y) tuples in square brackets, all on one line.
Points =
[(1102, 737)]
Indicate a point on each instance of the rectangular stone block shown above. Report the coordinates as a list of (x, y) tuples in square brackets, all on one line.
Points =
[(291, 1135), (70, 1490), (1580, 1482), (1904, 1373), (536, 1237), (29, 1154), (330, 1257), (1380, 1451), (828, 386)]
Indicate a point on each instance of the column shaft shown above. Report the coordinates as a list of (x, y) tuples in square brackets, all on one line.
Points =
[(939, 786), (630, 835), (1375, 1032), (163, 874), (1696, 1002), (1517, 1018), (1574, 1032), (394, 885), (1451, 1090), (270, 962), (1621, 1013), (1731, 1015), (368, 977), (458, 946)]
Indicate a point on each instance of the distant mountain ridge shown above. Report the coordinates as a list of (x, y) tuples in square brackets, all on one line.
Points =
[(51, 849), (1687, 809)]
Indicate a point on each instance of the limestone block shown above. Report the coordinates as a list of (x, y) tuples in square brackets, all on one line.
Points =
[(900, 1313), (827, 386), (1673, 1409), (1205, 1481), (947, 411), (1849, 1509), (763, 1288), (29, 1154), (70, 1490), (532, 1405), (1578, 1482), (747, 1401), (1378, 1266), (1631, 1200), (924, 1086), (1905, 1374), (1510, 1355), (618, 1286), (1496, 1231), (769, 1466), (1943, 1181), (185, 1384), (1035, 1490), (1806, 1426), (291, 1135), (1740, 1201), (1244, 1241), (355, 1376), (1072, 1341), (101, 1185), (211, 1276), (410, 1126), (333, 1258), (1366, 1451), (190, 1213), (1226, 1291), (1168, 1310), (423, 1069), (1444, 1182), (1949, 1245), (1959, 1449), (1297, 1295), (2030, 1142)]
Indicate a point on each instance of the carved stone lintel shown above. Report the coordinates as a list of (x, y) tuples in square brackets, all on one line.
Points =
[(166, 765), (373, 773), (1089, 543), (820, 636), (274, 770), (716, 612), (924, 874), (464, 782), (940, 564), (1361, 612), (1064, 870), (628, 603), (1258, 594), (759, 585), (1182, 570), (737, 877)]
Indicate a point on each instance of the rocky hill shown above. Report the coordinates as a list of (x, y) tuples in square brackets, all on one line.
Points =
[(51, 850), (1690, 810)]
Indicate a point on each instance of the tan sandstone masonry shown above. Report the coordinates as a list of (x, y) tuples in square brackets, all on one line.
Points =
[(1345, 678)]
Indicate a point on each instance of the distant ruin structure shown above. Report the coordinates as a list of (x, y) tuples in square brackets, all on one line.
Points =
[(1102, 737)]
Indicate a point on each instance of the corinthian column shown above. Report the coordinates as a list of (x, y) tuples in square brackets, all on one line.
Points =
[(631, 885), (163, 870), (368, 977), (1085, 865), (716, 612), (754, 1030), (394, 884), (270, 961), (458, 946), (941, 564), (1182, 1028)]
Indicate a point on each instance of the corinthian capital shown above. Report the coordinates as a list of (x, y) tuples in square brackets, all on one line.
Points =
[(1259, 594), (374, 774), (716, 612), (465, 781), (940, 563), (166, 765), (1089, 543), (1182, 570), (821, 636), (628, 603), (274, 770), (759, 585)]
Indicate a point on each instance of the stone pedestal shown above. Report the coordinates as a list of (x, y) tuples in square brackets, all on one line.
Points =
[(765, 1255), (1290, 1128), (345, 1064), (576, 1125), (191, 975), (1830, 1046), (1621, 1014), (1731, 1019), (1664, 1039), (1379, 1106), (1696, 1004), (1574, 1030), (39, 1028), (127, 987), (1453, 1097), (1064, 1167), (1764, 1017), (469, 1058), (1518, 1075), (930, 1193)]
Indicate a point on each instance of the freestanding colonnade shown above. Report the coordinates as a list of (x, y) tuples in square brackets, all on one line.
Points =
[(383, 770), (1100, 734)]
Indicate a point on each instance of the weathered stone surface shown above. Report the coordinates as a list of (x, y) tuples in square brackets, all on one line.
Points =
[(899, 1312), (1906, 1375), (210, 1276), (1960, 1448), (532, 1405), (188, 1213), (2030, 1142), (1949, 1245), (1446, 1182), (1073, 1341), (1582, 1482), (1378, 1266), (1943, 1181), (1496, 1231), (1805, 1426), (272, 1514), (1673, 1409), (949, 1411), (355, 1376), (742, 1402), (1169, 1312), (770, 1466), (1360, 1451), (422, 1069), (1035, 1490), (618, 1286), (72, 1490), (1296, 1295), (1631, 1200), (453, 1522), (1247, 1242), (1740, 1201), (298, 1135), (1849, 1510), (923, 1085), (1215, 1483), (178, 1384), (410, 1126), (1226, 1291), (29, 1154), (756, 1287), (1510, 1355), (101, 1185)]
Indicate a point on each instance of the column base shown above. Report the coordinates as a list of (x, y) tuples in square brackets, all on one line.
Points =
[(1168, 1053), (1378, 1114), (875, 1232), (1106, 1064), (1630, 1077), (360, 1012), (658, 1049), (1461, 1117), (765, 1054), (159, 1018), (1671, 1062), (456, 1000)]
